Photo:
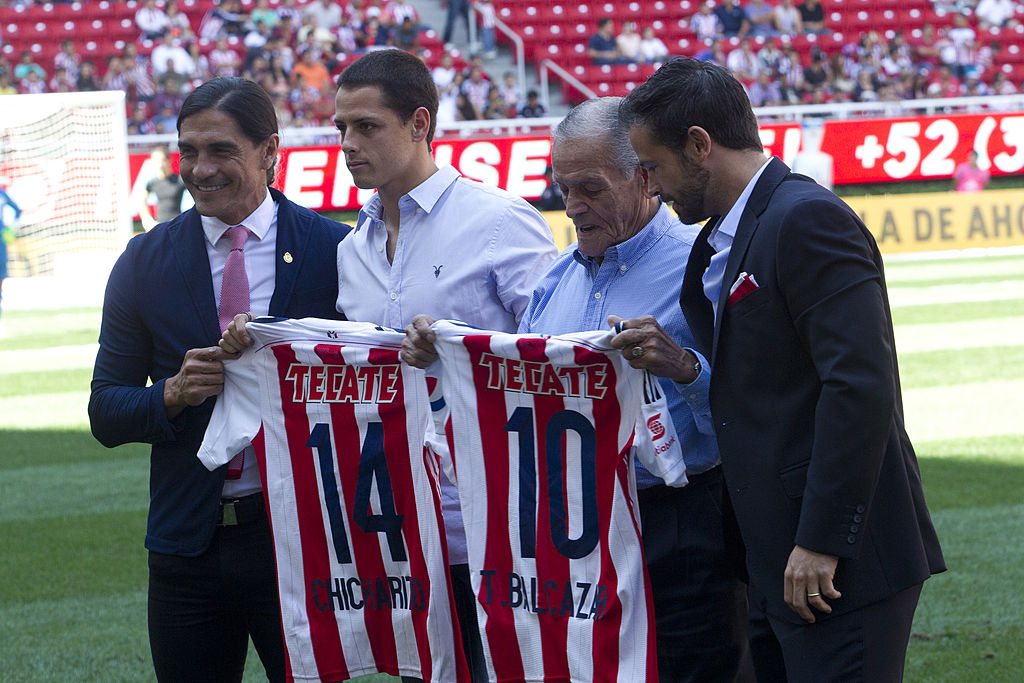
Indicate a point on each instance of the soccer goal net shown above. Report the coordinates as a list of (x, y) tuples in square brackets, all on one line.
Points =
[(64, 162)]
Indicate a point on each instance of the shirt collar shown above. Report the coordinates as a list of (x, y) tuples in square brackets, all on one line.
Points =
[(425, 195), (258, 222), (628, 252), (727, 227)]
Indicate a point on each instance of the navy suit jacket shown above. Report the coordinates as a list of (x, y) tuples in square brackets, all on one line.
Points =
[(806, 398), (159, 303)]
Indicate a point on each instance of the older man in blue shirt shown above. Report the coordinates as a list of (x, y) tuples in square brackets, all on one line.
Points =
[(628, 263)]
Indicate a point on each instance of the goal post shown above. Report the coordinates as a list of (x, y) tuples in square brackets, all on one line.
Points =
[(64, 161)]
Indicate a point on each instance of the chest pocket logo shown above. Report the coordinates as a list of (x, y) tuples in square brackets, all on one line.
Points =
[(437, 271)]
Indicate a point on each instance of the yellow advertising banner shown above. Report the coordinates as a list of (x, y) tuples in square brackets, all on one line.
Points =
[(903, 223)]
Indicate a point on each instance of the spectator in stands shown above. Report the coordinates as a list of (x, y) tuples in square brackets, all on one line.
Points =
[(464, 109), (373, 34), (510, 92), (257, 36), (137, 70), (761, 16), (27, 65), (444, 73), (485, 8), (326, 12), (816, 73), (733, 18), (704, 23), (928, 48), (178, 22), (407, 35), (652, 48), (447, 98), (264, 14), (996, 14), (288, 10), (169, 96), (151, 20), (533, 108), (114, 78), (715, 53), (139, 122), (346, 36), (628, 43), (765, 91), (201, 72), (769, 57), (224, 18), (968, 176), (60, 81), (964, 46), (476, 88), (1001, 85), (495, 107), (791, 76), (743, 62), (840, 82), (224, 61), (398, 11), (457, 9), (602, 48), (6, 88), (32, 84), (787, 19), (866, 89), (68, 59), (312, 31), (812, 16), (312, 71), (944, 83), (87, 80), (170, 52)]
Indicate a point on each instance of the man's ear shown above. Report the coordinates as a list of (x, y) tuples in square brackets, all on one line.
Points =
[(698, 144), (644, 184), (420, 124)]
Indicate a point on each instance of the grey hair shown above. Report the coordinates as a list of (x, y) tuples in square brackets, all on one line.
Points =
[(598, 119)]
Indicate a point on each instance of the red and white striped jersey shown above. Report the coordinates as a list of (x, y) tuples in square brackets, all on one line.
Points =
[(541, 429), (338, 425)]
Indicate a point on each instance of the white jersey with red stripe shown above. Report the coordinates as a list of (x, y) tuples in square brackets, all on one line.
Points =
[(338, 425), (542, 430)]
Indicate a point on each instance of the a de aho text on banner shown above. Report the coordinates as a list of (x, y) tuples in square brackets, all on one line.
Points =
[(934, 221)]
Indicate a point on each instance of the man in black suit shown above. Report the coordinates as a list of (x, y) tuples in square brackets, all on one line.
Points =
[(212, 582), (784, 291)]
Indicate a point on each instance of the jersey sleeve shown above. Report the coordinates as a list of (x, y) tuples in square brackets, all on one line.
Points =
[(236, 416)]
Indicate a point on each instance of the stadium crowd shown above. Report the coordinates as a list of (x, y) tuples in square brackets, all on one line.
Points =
[(296, 48)]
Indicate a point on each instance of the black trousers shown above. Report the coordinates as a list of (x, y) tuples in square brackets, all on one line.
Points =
[(867, 644), (699, 595), (465, 610), (203, 610)]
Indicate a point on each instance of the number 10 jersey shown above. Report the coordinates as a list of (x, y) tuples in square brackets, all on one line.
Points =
[(352, 495), (541, 433)]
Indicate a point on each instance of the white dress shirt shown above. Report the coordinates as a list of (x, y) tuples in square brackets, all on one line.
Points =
[(466, 251), (260, 269), (721, 238)]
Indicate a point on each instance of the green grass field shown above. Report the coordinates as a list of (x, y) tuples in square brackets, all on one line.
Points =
[(72, 513)]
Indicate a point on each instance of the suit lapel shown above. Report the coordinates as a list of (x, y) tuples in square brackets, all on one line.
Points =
[(292, 241), (188, 244), (696, 307), (749, 220)]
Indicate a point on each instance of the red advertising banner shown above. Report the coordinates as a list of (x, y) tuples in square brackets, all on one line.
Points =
[(863, 151), (923, 147)]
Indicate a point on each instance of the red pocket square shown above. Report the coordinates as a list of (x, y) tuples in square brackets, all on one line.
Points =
[(745, 284)]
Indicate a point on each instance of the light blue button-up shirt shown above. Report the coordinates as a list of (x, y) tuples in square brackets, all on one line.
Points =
[(641, 276)]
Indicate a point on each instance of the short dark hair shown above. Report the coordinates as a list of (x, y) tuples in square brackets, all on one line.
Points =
[(404, 80), (246, 102), (688, 92)]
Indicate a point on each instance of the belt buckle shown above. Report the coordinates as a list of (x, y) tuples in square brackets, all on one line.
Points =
[(228, 515)]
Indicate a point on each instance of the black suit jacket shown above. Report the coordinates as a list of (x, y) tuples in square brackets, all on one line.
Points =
[(806, 397), (159, 303)]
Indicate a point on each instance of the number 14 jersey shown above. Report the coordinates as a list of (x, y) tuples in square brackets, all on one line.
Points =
[(541, 430), (338, 424)]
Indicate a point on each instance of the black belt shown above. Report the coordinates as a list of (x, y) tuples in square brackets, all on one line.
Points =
[(244, 510)]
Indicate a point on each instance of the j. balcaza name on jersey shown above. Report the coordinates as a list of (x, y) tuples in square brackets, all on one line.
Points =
[(340, 383), (381, 592), (533, 377), (579, 600)]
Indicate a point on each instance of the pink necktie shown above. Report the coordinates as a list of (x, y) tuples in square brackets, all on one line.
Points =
[(234, 299)]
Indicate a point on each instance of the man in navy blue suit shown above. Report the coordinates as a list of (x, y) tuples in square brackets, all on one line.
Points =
[(212, 581), (784, 292)]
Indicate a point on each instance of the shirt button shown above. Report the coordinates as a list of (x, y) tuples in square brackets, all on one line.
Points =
[(858, 518), (854, 528), (860, 508), (380, 248), (693, 397), (419, 211), (622, 268), (851, 539), (394, 296), (597, 295)]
